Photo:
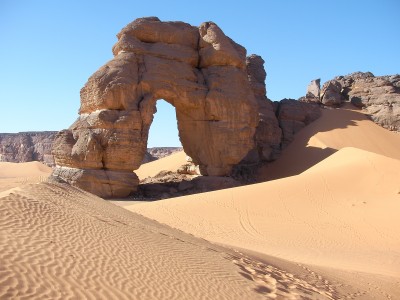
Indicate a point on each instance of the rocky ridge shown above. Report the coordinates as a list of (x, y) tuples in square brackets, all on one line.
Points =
[(27, 146), (377, 96)]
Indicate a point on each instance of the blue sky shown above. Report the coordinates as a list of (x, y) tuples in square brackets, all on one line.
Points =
[(49, 49)]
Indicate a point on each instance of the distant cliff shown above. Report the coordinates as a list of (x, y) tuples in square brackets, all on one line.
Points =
[(27, 146), (36, 145)]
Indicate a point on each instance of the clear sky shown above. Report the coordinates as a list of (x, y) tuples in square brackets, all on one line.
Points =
[(48, 49)]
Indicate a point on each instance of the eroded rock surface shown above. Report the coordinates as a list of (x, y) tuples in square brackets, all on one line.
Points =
[(293, 116), (268, 134), (378, 96), (27, 146), (200, 71)]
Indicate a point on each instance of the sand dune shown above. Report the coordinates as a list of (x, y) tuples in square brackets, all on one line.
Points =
[(330, 232), (16, 174), (169, 163), (336, 129), (58, 242), (336, 205), (342, 213)]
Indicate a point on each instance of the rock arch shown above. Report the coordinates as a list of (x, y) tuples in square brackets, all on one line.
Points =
[(199, 70)]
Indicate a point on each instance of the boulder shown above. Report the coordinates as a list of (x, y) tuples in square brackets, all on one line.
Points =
[(331, 94), (314, 89)]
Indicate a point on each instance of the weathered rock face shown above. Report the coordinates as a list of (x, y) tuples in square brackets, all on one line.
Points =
[(200, 71), (314, 89), (27, 146), (293, 116), (313, 92), (379, 96), (331, 93), (268, 134)]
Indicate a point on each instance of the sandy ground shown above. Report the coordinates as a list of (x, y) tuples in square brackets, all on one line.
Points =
[(340, 212), (331, 231), (58, 242), (168, 163), (13, 175)]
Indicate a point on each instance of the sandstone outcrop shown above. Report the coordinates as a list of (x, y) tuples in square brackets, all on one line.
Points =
[(27, 146), (293, 116), (268, 134), (378, 96), (200, 71), (331, 94), (314, 89)]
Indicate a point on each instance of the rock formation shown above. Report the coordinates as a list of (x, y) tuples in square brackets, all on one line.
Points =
[(331, 93), (293, 116), (379, 96), (314, 89), (200, 71), (268, 134), (27, 146)]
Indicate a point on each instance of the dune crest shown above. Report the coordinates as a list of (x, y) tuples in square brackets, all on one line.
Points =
[(334, 130), (342, 213)]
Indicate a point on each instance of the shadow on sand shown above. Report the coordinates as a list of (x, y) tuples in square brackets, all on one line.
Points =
[(299, 156)]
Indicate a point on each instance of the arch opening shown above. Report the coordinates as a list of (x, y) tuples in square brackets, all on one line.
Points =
[(164, 128)]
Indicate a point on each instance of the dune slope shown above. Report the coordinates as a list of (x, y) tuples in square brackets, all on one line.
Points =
[(16, 174), (169, 163), (334, 130), (58, 242), (342, 213)]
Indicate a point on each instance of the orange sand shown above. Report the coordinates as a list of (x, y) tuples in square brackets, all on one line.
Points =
[(330, 232), (17, 174), (168, 163), (340, 213)]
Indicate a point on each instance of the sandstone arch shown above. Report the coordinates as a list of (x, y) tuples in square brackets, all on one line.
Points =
[(200, 71)]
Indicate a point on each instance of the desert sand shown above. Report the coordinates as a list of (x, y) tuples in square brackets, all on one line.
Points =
[(327, 229), (169, 163), (58, 242), (17, 174), (338, 208)]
